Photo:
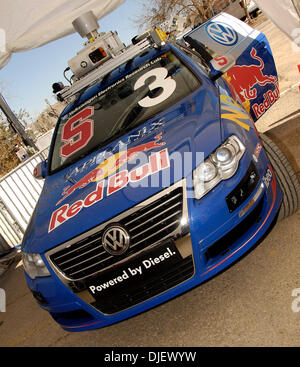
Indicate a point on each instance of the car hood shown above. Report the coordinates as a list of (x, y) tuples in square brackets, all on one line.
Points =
[(190, 126)]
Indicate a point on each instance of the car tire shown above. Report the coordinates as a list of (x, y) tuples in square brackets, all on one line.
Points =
[(286, 177)]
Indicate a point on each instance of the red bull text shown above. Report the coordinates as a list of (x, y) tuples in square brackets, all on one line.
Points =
[(157, 162)]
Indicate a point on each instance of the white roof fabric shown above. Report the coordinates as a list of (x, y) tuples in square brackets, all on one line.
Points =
[(32, 23), (285, 14)]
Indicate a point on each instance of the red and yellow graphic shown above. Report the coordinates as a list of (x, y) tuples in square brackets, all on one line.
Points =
[(245, 78), (231, 110), (157, 161), (110, 165)]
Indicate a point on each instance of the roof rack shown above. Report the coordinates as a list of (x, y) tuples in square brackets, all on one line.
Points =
[(153, 38)]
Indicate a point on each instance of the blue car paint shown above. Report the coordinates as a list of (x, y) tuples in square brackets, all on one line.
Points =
[(205, 102), (268, 69), (193, 124)]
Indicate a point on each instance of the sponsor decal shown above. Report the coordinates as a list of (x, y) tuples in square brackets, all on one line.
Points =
[(111, 165), (220, 62), (245, 78), (77, 132), (157, 162), (135, 271), (233, 111), (120, 145), (269, 99), (222, 33), (257, 151), (268, 178)]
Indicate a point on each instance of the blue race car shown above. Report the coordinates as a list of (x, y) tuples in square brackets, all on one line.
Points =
[(157, 178)]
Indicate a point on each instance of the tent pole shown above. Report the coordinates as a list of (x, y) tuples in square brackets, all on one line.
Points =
[(15, 123)]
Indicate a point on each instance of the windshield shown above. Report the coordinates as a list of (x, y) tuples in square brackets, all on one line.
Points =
[(120, 107)]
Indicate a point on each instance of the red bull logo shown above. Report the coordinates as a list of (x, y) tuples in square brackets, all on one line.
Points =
[(110, 165), (244, 78)]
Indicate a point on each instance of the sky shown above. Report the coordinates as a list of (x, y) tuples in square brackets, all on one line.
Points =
[(26, 81)]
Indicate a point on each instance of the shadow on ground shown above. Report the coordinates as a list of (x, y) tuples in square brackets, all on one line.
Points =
[(287, 137)]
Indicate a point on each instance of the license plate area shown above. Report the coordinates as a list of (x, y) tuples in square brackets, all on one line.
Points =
[(131, 275)]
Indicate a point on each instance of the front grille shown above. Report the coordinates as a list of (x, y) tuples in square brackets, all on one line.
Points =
[(151, 222), (159, 283)]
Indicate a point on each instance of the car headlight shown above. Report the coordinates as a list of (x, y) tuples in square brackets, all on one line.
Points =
[(34, 265), (220, 165)]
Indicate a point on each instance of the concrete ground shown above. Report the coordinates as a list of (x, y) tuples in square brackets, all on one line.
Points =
[(287, 61), (251, 304)]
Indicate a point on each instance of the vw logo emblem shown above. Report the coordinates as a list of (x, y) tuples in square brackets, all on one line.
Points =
[(222, 33), (115, 240)]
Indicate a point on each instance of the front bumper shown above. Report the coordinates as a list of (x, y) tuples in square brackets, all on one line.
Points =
[(212, 242)]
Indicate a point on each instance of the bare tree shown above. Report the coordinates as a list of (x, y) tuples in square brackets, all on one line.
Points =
[(244, 3), (10, 143), (155, 12)]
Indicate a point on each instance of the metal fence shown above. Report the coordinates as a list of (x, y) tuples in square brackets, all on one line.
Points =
[(19, 192)]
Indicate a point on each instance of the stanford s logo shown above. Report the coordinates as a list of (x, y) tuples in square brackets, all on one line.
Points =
[(115, 240), (222, 33)]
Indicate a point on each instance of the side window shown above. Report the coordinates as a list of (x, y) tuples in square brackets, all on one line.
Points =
[(197, 59)]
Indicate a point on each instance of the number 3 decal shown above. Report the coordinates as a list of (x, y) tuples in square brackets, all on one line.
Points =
[(77, 132), (167, 84), (79, 129)]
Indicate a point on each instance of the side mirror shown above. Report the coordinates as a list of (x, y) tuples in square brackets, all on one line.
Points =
[(40, 171)]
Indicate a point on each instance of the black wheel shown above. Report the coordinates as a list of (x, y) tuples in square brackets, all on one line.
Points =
[(286, 177)]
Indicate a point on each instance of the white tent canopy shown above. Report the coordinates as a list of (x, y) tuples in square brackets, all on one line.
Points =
[(285, 14), (27, 24)]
